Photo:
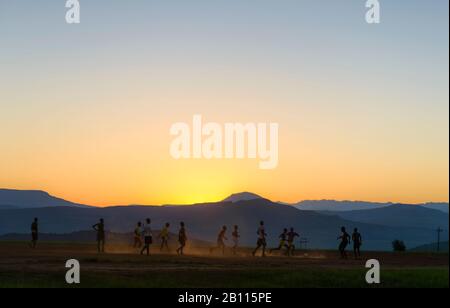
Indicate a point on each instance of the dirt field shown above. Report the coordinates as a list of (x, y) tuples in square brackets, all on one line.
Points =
[(121, 266)]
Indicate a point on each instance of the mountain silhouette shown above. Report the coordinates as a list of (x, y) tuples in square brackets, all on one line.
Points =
[(10, 199), (204, 220), (335, 206), (443, 207), (399, 215), (243, 196), (344, 206)]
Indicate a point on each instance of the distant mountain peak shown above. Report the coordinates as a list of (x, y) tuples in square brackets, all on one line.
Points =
[(242, 196), (14, 198)]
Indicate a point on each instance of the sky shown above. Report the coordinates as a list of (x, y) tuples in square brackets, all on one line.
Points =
[(85, 109)]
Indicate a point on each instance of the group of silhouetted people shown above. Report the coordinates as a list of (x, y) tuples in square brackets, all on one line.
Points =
[(346, 239), (143, 239), (286, 240)]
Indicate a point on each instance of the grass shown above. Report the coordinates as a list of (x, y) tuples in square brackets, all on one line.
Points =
[(21, 267), (278, 278)]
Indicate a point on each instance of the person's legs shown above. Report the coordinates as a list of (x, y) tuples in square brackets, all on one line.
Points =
[(275, 249), (144, 248), (180, 249), (138, 242), (33, 241), (148, 242), (341, 250), (357, 252), (344, 251), (147, 248), (291, 249), (166, 244), (256, 249), (288, 249)]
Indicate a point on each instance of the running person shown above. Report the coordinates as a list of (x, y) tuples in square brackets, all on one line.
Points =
[(235, 235), (345, 240), (291, 237), (182, 238), (282, 237), (34, 233), (164, 236), (357, 242), (100, 228), (138, 236), (221, 238), (148, 239), (261, 240)]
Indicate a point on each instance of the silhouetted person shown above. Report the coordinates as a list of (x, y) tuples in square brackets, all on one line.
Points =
[(182, 238), (291, 237), (357, 242), (345, 240), (100, 228), (138, 236), (282, 244), (221, 238), (164, 236), (235, 235), (34, 233), (261, 240), (148, 238)]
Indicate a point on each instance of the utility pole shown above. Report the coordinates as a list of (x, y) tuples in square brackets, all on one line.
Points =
[(439, 231)]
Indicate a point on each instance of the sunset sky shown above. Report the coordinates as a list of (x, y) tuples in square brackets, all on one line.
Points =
[(85, 110)]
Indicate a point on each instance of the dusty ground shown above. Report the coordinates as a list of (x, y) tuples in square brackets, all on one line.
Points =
[(21, 266)]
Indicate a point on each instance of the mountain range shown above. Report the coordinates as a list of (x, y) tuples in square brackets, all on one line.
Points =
[(380, 226), (343, 206), (397, 215), (16, 199)]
